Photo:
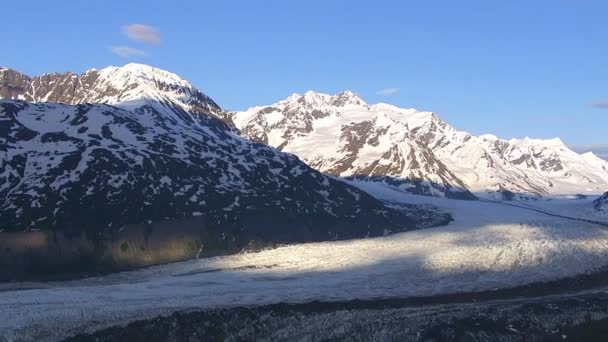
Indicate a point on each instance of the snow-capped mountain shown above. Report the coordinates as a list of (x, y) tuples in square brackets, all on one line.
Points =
[(601, 203), (157, 156), (64, 164), (417, 151), (130, 86)]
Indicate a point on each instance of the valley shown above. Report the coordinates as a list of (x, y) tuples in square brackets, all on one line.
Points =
[(135, 207), (308, 171), (489, 247)]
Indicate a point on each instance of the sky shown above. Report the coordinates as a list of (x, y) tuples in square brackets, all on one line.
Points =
[(510, 68)]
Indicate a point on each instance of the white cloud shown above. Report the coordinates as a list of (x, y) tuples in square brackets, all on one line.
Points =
[(126, 51), (141, 33), (387, 91)]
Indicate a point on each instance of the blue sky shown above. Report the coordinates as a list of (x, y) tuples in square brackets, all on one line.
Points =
[(511, 68)]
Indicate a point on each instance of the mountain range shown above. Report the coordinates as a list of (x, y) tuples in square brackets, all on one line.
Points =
[(129, 166), (416, 151)]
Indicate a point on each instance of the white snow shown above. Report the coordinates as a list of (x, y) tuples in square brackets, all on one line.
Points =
[(489, 246)]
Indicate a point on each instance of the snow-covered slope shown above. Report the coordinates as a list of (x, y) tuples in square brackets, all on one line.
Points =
[(129, 86), (343, 136), (63, 163), (417, 151)]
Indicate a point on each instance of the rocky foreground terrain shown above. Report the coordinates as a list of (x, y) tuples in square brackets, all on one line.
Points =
[(537, 312)]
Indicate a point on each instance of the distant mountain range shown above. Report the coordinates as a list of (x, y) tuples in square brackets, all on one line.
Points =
[(416, 151), (599, 150), (92, 156)]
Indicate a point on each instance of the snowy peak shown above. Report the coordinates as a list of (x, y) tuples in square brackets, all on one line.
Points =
[(144, 81), (344, 136), (126, 168), (143, 71), (130, 86), (527, 141), (346, 98), (312, 99)]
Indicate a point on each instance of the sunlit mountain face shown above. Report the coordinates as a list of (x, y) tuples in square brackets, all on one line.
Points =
[(418, 152)]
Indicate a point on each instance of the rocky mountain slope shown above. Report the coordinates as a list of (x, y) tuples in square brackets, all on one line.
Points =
[(157, 161), (130, 86), (601, 203), (417, 151)]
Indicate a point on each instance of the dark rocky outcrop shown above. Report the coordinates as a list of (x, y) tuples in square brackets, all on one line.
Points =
[(601, 203)]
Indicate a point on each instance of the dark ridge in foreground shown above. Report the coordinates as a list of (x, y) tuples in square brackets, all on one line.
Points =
[(515, 314)]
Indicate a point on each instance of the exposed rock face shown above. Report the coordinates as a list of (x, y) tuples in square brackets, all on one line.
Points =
[(95, 171), (601, 203), (417, 151)]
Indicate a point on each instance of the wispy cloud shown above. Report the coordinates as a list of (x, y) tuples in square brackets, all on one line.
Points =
[(600, 104), (127, 51), (141, 33), (387, 91)]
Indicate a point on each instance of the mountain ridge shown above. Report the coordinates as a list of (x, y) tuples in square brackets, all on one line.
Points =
[(148, 176), (130, 86), (153, 115), (601, 203), (435, 159)]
